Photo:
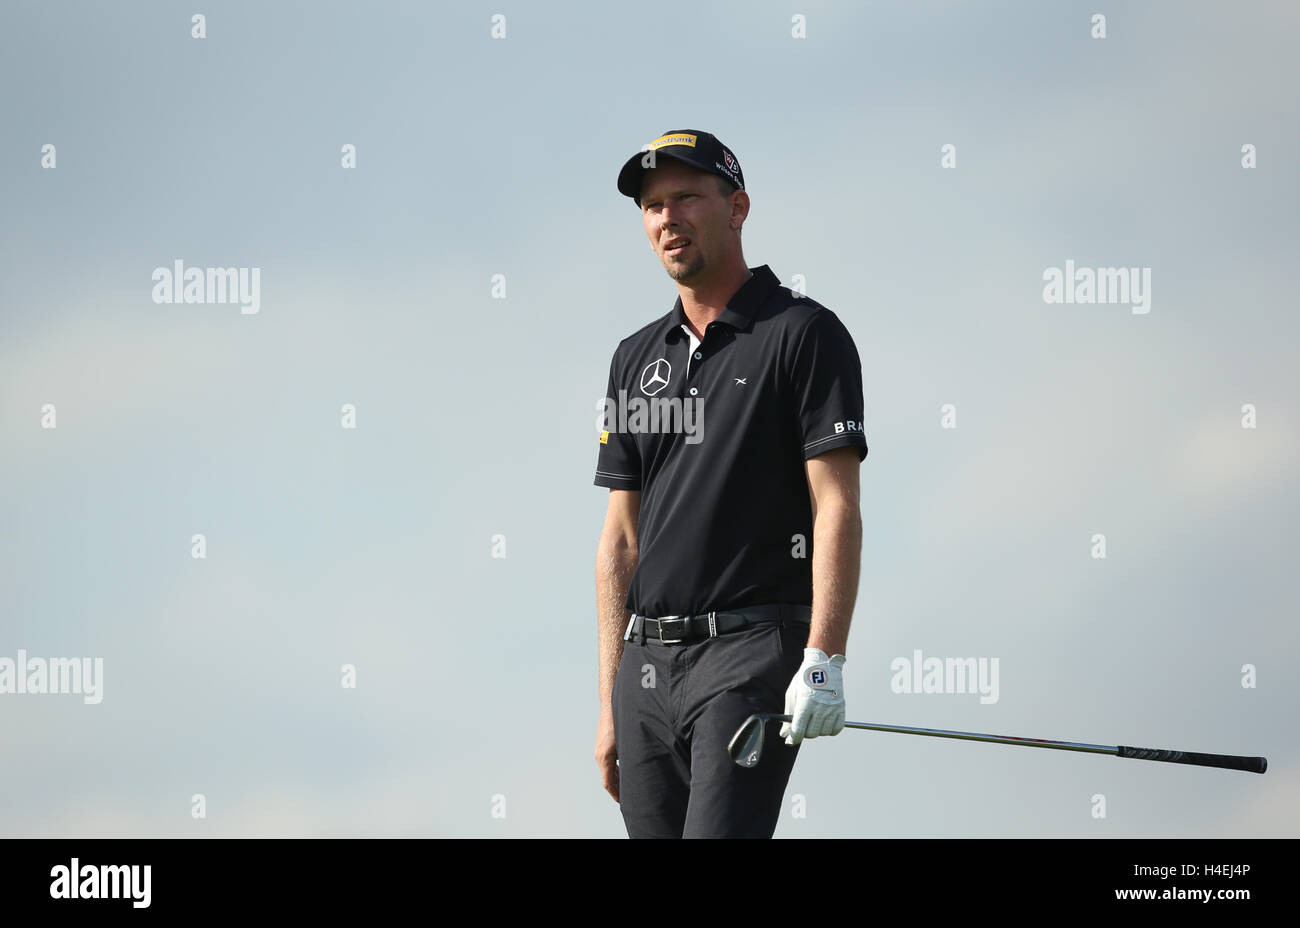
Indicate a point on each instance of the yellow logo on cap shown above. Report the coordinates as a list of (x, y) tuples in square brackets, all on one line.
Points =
[(604, 438), (687, 140)]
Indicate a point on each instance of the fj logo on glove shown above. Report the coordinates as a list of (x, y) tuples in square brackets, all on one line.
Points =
[(814, 700)]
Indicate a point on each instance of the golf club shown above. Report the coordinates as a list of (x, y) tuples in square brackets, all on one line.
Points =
[(746, 746)]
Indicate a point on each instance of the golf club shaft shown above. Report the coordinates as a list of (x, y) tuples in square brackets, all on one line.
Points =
[(1228, 761)]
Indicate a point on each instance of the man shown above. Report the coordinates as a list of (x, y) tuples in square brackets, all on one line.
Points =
[(727, 568)]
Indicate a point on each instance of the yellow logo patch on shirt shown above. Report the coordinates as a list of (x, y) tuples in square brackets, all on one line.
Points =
[(604, 438)]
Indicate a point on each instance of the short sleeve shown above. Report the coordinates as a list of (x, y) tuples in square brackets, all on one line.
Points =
[(826, 375), (618, 462)]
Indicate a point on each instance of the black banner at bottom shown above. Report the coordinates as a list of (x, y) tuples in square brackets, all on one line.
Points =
[(137, 878)]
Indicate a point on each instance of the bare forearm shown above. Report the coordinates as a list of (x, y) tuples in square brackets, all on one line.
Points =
[(615, 562), (837, 558)]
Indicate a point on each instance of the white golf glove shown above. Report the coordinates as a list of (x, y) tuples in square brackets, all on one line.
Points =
[(815, 697)]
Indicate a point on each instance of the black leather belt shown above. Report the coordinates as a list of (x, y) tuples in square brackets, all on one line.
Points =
[(682, 629)]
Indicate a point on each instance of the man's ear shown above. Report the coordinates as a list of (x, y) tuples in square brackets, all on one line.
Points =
[(739, 209)]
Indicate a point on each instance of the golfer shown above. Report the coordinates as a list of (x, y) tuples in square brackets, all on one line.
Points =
[(727, 568)]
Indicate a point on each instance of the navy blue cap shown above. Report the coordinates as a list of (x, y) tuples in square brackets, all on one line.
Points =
[(691, 146)]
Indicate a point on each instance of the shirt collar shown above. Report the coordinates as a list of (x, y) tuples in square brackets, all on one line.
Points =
[(740, 309)]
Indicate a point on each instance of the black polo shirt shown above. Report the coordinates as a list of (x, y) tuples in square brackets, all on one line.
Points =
[(775, 381)]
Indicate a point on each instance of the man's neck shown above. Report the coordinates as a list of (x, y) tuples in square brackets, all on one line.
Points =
[(704, 303)]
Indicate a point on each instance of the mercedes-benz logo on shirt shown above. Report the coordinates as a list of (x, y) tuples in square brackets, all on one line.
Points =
[(655, 376)]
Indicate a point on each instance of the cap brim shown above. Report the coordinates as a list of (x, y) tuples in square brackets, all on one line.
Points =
[(629, 179)]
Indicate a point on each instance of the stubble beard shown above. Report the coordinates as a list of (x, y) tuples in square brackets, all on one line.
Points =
[(685, 270)]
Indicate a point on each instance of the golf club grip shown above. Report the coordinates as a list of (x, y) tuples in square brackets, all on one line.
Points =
[(1230, 761)]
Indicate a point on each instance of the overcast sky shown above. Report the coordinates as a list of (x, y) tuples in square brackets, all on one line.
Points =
[(475, 411)]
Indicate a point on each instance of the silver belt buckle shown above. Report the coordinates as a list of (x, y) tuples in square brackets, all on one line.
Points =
[(662, 639), (713, 625)]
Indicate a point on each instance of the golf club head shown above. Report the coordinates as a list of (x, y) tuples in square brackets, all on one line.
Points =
[(746, 746)]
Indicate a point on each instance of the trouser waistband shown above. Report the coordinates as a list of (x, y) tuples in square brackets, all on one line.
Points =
[(681, 629)]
